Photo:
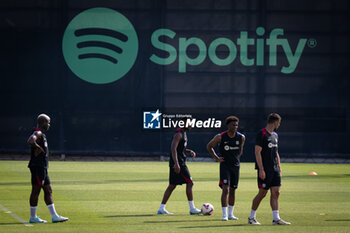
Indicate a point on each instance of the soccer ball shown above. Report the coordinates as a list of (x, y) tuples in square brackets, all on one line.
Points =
[(207, 209)]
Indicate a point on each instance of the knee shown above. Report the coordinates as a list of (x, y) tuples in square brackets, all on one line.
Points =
[(263, 194), (189, 185), (171, 187), (36, 191), (225, 190), (48, 190), (34, 194), (275, 194), (232, 191)]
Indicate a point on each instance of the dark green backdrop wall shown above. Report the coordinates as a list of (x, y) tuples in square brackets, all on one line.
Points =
[(107, 119)]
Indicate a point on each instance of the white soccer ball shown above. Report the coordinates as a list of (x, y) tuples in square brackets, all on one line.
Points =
[(207, 209)]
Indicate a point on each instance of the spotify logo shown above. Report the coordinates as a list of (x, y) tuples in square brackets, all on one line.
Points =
[(100, 45)]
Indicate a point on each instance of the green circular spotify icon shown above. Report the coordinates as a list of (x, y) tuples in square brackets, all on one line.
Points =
[(100, 45)]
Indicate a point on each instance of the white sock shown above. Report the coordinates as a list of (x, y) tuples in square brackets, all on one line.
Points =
[(33, 212), (230, 210), (224, 211), (191, 204), (162, 207), (276, 215), (52, 210), (252, 214)]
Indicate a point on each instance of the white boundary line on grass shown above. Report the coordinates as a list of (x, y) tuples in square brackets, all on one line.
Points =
[(19, 219)]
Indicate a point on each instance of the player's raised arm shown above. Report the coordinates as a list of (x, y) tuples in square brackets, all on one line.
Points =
[(210, 147), (32, 141), (176, 139)]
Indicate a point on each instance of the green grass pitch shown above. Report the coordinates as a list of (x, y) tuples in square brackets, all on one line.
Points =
[(124, 197)]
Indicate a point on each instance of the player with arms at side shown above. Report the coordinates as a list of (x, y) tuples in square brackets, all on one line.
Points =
[(269, 169), (231, 148), (179, 173), (38, 166)]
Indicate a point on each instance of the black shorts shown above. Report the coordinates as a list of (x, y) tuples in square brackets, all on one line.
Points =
[(229, 175), (39, 176), (184, 177), (273, 179)]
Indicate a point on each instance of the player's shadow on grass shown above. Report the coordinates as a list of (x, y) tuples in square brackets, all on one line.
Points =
[(175, 221), (337, 220), (11, 223), (234, 225), (14, 183), (126, 216)]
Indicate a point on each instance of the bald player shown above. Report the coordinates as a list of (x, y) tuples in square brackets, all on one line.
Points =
[(38, 165)]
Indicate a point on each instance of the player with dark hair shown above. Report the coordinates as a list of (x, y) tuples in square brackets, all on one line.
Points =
[(38, 165), (269, 169), (231, 147), (179, 173)]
